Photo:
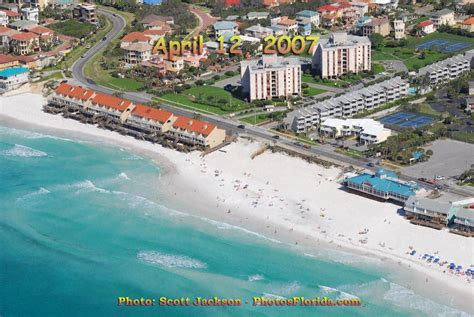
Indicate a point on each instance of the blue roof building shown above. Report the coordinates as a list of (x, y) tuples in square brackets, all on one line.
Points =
[(383, 184), (306, 13)]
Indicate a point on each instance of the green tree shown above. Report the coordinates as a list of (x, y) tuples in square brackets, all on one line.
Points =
[(376, 40)]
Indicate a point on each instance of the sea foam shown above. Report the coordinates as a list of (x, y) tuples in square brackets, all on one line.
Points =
[(407, 298), (170, 260), (23, 151), (255, 277)]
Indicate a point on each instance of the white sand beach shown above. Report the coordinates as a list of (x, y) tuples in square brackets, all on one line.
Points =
[(288, 200)]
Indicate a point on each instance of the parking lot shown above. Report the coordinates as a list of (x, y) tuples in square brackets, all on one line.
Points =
[(450, 158)]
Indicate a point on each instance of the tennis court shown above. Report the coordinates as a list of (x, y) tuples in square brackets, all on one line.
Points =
[(406, 120), (444, 46)]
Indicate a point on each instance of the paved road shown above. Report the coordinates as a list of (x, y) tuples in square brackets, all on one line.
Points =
[(205, 20), (230, 125)]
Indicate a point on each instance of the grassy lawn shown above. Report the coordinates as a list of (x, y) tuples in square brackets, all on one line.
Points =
[(185, 102), (310, 91), (377, 68), (426, 109), (308, 78), (350, 152), (57, 75), (205, 92), (412, 59), (256, 119), (73, 28), (125, 84)]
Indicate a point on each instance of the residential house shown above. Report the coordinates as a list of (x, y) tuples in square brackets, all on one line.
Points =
[(368, 131), (258, 31), (85, 12), (398, 27), (8, 61), (151, 20), (257, 16), (146, 118), (13, 78), (5, 36), (25, 43), (173, 63), (376, 25), (308, 17), (426, 27), (135, 37), (196, 132), (426, 211), (137, 52), (221, 27), (468, 24), (362, 8), (289, 26), (444, 16), (12, 16), (30, 14), (3, 18), (109, 106)]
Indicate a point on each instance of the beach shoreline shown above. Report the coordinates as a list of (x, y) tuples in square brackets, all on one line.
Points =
[(302, 207)]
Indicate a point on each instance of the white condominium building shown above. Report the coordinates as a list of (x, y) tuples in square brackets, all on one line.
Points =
[(445, 70), (341, 54), (345, 106), (271, 76), (369, 131)]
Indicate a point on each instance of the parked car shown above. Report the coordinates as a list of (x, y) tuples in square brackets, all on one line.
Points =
[(370, 164), (241, 126), (439, 178), (276, 137)]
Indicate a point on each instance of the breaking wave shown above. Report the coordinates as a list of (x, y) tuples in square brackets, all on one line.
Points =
[(406, 298), (255, 277), (23, 151), (170, 260)]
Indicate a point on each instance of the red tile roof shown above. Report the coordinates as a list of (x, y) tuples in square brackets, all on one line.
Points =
[(40, 30), (76, 92), (152, 113), (110, 101), (6, 59), (425, 23), (469, 21), (328, 7), (201, 127), (154, 32), (24, 36), (11, 13), (135, 37), (286, 21)]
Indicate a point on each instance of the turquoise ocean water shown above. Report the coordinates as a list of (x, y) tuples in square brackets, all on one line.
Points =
[(81, 224)]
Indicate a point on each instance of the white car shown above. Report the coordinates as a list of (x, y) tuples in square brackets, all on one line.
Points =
[(439, 178)]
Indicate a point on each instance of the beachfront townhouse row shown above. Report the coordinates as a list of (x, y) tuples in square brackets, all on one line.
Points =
[(458, 215), (368, 131), (345, 106), (446, 70), (137, 117)]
